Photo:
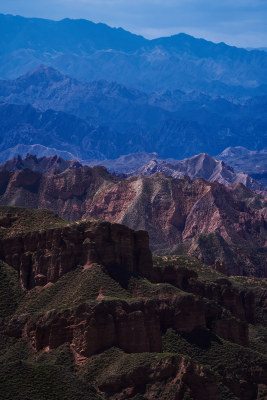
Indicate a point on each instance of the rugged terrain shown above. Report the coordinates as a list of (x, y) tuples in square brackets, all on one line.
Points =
[(42, 164), (85, 312), (219, 225), (199, 166), (105, 120), (241, 159), (89, 51)]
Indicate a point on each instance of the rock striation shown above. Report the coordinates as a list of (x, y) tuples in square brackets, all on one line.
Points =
[(42, 257), (199, 166), (222, 226), (66, 272)]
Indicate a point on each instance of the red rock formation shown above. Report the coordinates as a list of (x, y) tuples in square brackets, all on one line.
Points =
[(42, 257), (241, 303), (135, 326), (175, 212)]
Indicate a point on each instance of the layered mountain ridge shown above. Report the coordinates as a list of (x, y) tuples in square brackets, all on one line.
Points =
[(173, 124), (79, 47), (115, 121), (241, 159), (217, 224), (199, 166)]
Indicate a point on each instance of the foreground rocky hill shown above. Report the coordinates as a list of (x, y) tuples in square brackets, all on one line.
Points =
[(219, 225), (86, 312)]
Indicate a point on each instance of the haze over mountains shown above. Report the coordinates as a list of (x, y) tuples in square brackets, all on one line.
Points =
[(110, 123), (106, 120), (79, 47), (253, 163), (176, 96)]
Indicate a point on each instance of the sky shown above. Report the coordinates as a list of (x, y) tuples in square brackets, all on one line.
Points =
[(242, 23)]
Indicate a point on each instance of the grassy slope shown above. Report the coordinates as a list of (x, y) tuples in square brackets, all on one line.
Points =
[(80, 286), (18, 220), (53, 375)]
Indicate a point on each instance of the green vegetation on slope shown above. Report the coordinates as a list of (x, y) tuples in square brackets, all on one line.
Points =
[(204, 272), (33, 381), (54, 375), (18, 220), (10, 291), (230, 361)]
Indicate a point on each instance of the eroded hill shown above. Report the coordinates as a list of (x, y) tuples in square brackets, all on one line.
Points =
[(86, 312), (219, 225)]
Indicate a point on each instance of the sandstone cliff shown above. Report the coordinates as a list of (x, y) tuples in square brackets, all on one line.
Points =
[(92, 288), (219, 225)]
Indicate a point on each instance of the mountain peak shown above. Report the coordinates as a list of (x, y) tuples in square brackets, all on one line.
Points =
[(43, 72), (42, 164)]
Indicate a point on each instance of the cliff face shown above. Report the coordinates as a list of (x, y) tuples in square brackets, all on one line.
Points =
[(219, 225), (92, 286), (174, 374), (42, 257)]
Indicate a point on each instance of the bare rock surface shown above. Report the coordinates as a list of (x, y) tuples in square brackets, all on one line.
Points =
[(223, 226)]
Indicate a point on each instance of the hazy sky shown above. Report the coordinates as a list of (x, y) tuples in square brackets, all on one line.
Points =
[(238, 22)]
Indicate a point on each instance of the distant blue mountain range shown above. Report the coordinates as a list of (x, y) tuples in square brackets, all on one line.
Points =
[(97, 92), (89, 51), (105, 120)]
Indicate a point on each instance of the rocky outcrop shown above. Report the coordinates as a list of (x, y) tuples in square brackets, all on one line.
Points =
[(173, 377), (135, 326), (251, 162), (199, 166), (45, 256), (240, 302), (42, 164), (67, 272), (218, 225)]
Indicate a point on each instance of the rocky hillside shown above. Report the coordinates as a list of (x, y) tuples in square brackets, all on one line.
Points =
[(42, 164), (25, 124), (85, 311), (241, 159), (219, 225), (199, 166)]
